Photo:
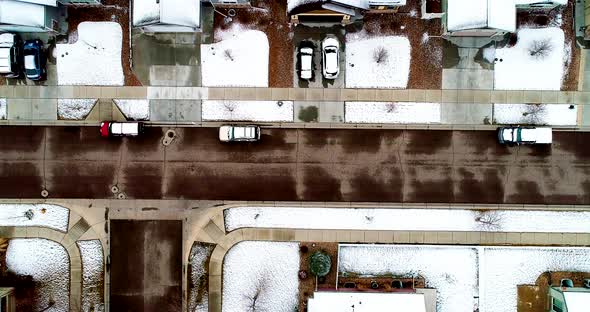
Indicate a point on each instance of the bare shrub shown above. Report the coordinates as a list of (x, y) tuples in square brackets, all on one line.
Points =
[(489, 220), (254, 299), (228, 54), (390, 107), (534, 114), (540, 49), (230, 106), (380, 55)]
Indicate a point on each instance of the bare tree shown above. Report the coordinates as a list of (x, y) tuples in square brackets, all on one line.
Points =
[(380, 55), (540, 49), (230, 106), (228, 54), (253, 299), (489, 220), (390, 107), (534, 114)]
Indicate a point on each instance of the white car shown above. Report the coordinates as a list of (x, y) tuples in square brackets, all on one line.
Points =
[(230, 133), (524, 135), (330, 58), (120, 129)]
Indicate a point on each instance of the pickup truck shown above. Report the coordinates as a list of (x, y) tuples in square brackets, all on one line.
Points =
[(120, 129), (524, 135)]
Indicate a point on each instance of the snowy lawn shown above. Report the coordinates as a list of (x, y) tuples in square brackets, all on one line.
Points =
[(392, 112), (74, 109), (536, 114), (461, 273), (377, 62), (240, 59), (452, 271), (43, 215), (95, 59), (213, 110), (92, 275), (134, 109), (3, 111), (408, 219), (536, 62), (48, 263), (198, 300), (267, 270), (505, 268)]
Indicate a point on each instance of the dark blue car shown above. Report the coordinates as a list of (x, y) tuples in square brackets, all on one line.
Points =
[(35, 60)]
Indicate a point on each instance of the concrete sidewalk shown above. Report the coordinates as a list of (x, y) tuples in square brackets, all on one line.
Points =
[(181, 106)]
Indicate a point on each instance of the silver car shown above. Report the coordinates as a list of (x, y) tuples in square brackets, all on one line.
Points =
[(330, 58), (233, 133)]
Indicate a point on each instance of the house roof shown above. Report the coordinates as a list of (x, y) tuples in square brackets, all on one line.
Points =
[(22, 13), (43, 2), (366, 302), (577, 301), (356, 4), (170, 12), (475, 14)]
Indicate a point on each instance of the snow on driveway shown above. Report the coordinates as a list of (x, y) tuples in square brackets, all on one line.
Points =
[(392, 112), (48, 263), (390, 219), (266, 269), (536, 62), (95, 59), (92, 275), (536, 114), (377, 62), (240, 59), (214, 110)]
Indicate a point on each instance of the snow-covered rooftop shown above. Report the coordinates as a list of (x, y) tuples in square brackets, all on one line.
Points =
[(171, 12), (366, 302), (577, 301), (473, 14), (361, 4), (22, 13)]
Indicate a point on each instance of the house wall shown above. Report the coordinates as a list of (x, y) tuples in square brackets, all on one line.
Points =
[(73, 2), (230, 3), (556, 295)]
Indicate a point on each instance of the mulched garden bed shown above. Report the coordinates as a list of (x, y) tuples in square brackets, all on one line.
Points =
[(110, 11), (548, 17), (271, 18), (426, 62), (307, 285)]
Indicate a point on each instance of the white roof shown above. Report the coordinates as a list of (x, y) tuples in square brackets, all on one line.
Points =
[(42, 2), (473, 14), (172, 12), (22, 13), (365, 302), (577, 301)]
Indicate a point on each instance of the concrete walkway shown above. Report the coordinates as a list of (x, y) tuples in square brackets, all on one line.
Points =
[(181, 106)]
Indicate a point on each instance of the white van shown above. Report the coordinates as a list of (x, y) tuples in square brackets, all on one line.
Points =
[(119, 129), (525, 135)]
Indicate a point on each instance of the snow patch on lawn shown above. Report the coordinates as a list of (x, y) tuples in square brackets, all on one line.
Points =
[(134, 109), (267, 268), (92, 275), (74, 109), (3, 111), (392, 112), (214, 110), (453, 220), (536, 62), (48, 263), (452, 271), (240, 59), (377, 62), (199, 261), (536, 114), (505, 268), (95, 59), (43, 215)]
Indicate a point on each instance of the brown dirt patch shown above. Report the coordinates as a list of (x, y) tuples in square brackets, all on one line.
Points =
[(426, 63), (307, 286), (271, 18), (544, 18), (110, 11)]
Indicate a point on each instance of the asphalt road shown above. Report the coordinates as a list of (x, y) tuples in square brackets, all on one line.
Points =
[(295, 164)]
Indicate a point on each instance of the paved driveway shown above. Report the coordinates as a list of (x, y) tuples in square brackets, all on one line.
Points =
[(296, 164)]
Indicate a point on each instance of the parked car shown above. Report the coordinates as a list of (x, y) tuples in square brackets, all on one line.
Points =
[(305, 60), (524, 135), (120, 129), (330, 58), (231, 133), (35, 60), (11, 56)]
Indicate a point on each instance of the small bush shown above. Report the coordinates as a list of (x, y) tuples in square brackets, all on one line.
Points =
[(319, 264), (380, 55), (309, 114)]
